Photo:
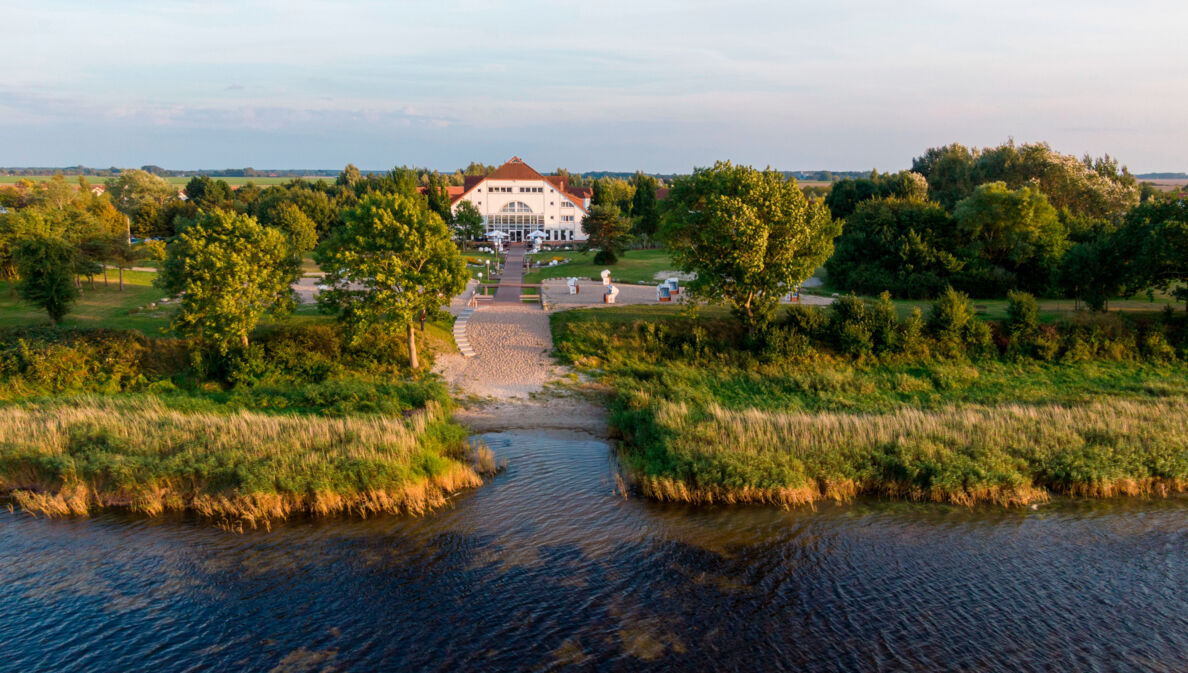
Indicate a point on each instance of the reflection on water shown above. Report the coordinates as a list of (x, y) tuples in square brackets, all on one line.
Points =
[(547, 569)]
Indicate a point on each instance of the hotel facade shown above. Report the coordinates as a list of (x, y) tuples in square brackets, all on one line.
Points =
[(517, 200)]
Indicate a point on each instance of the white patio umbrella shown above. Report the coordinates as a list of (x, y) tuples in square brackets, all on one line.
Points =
[(537, 234)]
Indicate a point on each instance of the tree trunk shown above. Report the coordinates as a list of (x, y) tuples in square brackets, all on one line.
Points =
[(422, 321), (243, 339), (121, 279), (412, 347)]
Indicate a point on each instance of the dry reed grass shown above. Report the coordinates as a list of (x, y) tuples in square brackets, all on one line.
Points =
[(1007, 454), (68, 457)]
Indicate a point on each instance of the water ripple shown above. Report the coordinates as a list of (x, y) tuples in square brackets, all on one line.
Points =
[(547, 569)]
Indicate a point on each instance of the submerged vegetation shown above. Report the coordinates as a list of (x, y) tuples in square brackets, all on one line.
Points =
[(828, 405)]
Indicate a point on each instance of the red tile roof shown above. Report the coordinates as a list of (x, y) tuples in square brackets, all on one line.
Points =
[(516, 169)]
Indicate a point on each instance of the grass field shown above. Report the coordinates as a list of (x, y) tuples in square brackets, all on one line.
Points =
[(1168, 185), (635, 266), (101, 306)]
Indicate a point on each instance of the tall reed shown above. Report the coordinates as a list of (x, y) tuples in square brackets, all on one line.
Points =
[(70, 456), (1008, 454)]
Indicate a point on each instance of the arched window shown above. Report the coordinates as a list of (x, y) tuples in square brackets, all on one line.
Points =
[(516, 207)]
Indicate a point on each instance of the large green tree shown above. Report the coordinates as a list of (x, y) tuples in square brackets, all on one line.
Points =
[(901, 246), (46, 266), (229, 271), (391, 262), (607, 231), (467, 221), (1010, 239), (1161, 257), (644, 211), (1085, 187), (750, 236), (141, 197)]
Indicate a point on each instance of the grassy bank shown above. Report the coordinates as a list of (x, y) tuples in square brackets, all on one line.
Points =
[(303, 422), (61, 457), (708, 417)]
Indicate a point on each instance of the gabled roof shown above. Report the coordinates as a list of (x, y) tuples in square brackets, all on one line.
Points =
[(516, 169)]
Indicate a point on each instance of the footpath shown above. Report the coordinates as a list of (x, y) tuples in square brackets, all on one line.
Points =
[(510, 342)]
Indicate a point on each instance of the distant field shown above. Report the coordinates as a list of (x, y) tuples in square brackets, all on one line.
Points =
[(1168, 185), (95, 180)]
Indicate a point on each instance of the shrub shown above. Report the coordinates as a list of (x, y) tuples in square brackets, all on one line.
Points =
[(606, 257), (1155, 347), (955, 327), (884, 325), (787, 343), (950, 314), (1022, 314), (806, 320), (850, 326)]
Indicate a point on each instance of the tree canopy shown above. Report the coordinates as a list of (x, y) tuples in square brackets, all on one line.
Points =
[(391, 261), (1011, 239), (607, 231), (903, 246), (229, 271), (46, 266), (750, 236)]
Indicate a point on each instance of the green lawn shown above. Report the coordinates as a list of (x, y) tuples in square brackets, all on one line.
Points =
[(475, 269), (635, 266), (98, 307)]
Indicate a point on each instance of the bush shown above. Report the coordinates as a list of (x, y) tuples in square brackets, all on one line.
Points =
[(953, 323), (605, 257), (806, 320), (950, 314), (1022, 314)]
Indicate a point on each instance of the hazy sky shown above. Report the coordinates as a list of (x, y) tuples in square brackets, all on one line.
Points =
[(600, 85)]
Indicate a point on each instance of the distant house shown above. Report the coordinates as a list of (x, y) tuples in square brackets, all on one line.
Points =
[(517, 200)]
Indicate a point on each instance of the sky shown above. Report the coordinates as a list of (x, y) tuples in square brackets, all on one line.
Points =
[(660, 86)]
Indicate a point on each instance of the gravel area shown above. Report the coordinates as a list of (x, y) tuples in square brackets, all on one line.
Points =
[(512, 343)]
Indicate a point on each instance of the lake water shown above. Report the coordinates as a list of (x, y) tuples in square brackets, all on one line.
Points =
[(547, 569)]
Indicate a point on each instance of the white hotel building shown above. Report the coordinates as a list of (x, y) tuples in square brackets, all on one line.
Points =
[(517, 200)]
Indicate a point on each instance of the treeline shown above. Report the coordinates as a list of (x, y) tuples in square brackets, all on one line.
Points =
[(233, 254), (113, 171), (1008, 218), (56, 235)]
